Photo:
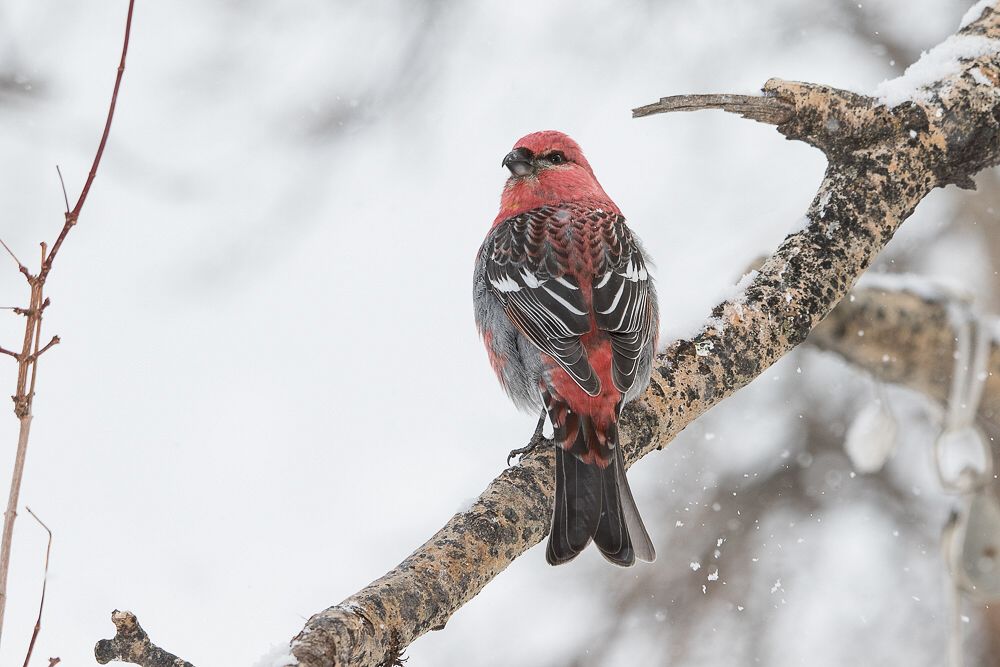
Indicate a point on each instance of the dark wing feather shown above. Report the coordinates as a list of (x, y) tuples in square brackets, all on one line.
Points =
[(621, 302), (528, 275)]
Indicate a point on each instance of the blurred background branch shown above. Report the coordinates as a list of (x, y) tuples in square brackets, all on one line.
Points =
[(896, 328)]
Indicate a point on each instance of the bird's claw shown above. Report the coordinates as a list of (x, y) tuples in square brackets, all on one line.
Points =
[(537, 440)]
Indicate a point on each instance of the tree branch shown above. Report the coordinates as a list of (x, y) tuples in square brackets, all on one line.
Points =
[(132, 644), (766, 109), (882, 162)]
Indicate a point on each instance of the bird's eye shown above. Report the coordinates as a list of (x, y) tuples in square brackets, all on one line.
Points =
[(556, 158)]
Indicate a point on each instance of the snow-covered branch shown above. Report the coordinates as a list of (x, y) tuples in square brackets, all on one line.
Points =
[(883, 159)]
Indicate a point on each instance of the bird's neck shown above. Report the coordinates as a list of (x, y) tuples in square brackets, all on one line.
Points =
[(551, 188)]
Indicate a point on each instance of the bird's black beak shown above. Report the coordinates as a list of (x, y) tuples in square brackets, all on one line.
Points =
[(519, 161)]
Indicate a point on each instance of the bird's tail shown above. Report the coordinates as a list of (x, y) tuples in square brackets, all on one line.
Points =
[(593, 499)]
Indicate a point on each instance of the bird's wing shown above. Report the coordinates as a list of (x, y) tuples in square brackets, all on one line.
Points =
[(527, 272), (622, 303)]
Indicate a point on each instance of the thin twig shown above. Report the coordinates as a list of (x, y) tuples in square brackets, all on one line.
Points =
[(55, 341), (73, 216), (33, 359), (45, 581), (62, 184), (20, 267), (4, 350)]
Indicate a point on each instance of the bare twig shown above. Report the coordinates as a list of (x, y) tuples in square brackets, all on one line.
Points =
[(62, 184), (55, 341), (27, 371), (132, 644), (72, 216), (881, 163), (763, 109), (20, 267), (45, 581)]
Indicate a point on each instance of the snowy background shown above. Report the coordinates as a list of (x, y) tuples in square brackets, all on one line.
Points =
[(270, 389)]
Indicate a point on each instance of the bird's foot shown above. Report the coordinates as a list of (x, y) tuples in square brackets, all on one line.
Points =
[(537, 440)]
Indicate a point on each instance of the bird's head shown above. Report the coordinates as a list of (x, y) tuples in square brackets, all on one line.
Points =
[(547, 168)]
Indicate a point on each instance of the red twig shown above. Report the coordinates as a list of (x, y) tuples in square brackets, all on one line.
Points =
[(55, 341), (27, 359), (72, 216)]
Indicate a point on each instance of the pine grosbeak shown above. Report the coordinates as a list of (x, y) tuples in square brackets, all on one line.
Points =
[(568, 314)]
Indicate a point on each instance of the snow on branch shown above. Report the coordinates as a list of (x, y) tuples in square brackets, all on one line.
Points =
[(881, 162)]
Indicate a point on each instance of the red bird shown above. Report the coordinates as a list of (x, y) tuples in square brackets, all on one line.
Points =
[(568, 314)]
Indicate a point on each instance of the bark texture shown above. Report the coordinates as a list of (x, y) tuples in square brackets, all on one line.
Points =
[(882, 162), (132, 644)]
